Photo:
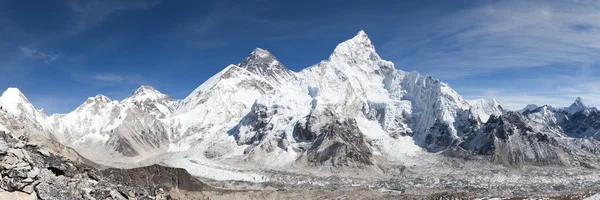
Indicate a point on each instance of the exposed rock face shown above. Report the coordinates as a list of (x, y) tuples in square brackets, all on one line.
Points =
[(263, 63), (31, 172), (257, 120), (155, 176), (340, 144), (509, 140), (585, 123)]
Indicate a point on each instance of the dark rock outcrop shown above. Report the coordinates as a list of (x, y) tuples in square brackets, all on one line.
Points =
[(340, 144), (155, 176)]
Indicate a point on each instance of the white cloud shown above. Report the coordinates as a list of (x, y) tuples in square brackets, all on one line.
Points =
[(90, 12), (554, 43), (118, 78), (559, 91), (503, 35), (46, 57)]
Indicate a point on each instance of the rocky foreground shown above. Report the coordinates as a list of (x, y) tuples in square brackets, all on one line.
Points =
[(31, 171)]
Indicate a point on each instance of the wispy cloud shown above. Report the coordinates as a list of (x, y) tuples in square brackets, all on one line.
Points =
[(47, 57), (503, 35), (554, 88), (118, 78), (538, 51), (90, 12)]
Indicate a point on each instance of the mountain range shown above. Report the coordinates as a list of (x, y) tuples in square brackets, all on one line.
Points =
[(258, 121)]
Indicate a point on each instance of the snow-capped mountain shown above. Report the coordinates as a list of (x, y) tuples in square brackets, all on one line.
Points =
[(509, 139), (131, 127), (18, 114), (353, 109)]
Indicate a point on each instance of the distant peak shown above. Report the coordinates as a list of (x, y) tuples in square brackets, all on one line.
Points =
[(145, 92), (261, 62), (577, 106), (261, 53), (144, 89), (530, 107), (579, 101), (98, 98)]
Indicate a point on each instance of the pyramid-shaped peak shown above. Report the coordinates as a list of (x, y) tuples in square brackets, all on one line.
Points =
[(145, 92), (362, 38), (579, 101), (261, 53), (577, 106), (358, 47), (145, 89), (261, 62), (362, 33)]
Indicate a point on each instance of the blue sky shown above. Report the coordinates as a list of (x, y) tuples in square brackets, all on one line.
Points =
[(59, 52)]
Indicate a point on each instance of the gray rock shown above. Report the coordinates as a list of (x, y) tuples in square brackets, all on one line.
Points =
[(3, 147), (17, 195), (55, 190), (33, 173), (19, 145), (17, 153), (30, 172), (9, 160), (28, 189), (117, 195), (43, 152), (28, 180), (12, 184)]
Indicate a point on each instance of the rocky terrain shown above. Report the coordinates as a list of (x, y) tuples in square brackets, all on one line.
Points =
[(32, 172)]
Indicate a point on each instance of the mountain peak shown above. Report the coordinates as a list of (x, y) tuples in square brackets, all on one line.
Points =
[(14, 94), (362, 33), (261, 62), (144, 89), (357, 47), (145, 92), (577, 106), (261, 53), (258, 58), (11, 100), (579, 101), (11, 90), (529, 107), (99, 98)]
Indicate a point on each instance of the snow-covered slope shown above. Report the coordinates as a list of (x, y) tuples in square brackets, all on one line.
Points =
[(354, 86), (19, 116), (485, 108), (103, 129), (152, 101)]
